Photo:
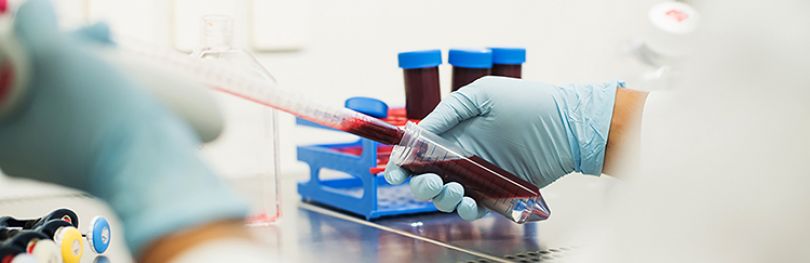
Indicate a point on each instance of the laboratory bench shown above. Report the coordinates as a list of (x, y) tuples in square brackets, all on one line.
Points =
[(310, 232)]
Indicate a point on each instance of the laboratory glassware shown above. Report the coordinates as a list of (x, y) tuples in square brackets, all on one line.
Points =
[(422, 90), (469, 65), (508, 61), (236, 81), (491, 186), (363, 193), (246, 153)]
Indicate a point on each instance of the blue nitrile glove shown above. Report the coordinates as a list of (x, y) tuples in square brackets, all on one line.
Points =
[(84, 124), (537, 131)]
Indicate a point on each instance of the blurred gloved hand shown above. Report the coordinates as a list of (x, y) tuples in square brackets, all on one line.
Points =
[(537, 131), (84, 124)]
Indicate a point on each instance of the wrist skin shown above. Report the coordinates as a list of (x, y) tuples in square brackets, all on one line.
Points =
[(171, 246), (622, 152)]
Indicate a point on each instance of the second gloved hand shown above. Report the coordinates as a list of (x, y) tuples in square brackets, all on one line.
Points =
[(534, 130), (85, 124)]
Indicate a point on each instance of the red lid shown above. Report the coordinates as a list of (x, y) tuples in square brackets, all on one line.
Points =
[(3, 6)]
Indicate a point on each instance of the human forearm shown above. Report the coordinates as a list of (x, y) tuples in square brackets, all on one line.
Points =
[(622, 152), (169, 247)]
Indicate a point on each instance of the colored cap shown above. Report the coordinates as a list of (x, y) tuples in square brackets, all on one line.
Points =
[(368, 106), (508, 55), (99, 235), (470, 58), (420, 59), (69, 239)]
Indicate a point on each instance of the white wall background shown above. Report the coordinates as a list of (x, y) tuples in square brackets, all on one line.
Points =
[(338, 49)]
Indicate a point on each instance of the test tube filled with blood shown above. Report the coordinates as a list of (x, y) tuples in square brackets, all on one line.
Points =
[(469, 65), (508, 62), (422, 90)]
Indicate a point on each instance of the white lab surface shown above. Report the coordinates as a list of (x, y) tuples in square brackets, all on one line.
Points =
[(227, 250)]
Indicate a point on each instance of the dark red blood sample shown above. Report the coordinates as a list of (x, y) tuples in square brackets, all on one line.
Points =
[(463, 76), (481, 179), (508, 61), (507, 70), (422, 92), (374, 129)]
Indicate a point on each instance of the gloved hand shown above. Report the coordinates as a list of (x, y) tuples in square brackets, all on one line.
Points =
[(84, 124), (534, 130)]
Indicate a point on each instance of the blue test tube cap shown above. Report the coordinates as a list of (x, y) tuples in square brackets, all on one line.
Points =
[(508, 55), (368, 106), (420, 59), (100, 234), (470, 58)]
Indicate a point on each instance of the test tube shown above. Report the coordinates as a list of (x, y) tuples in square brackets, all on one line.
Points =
[(491, 186), (508, 62), (421, 72), (469, 65)]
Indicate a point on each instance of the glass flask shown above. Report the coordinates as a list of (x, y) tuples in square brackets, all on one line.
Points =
[(247, 152)]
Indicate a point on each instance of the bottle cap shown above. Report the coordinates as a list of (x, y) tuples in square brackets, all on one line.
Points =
[(368, 106), (99, 234), (470, 58), (420, 59), (508, 55), (69, 239)]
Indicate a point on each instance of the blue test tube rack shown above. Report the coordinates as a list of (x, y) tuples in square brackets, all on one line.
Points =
[(362, 193)]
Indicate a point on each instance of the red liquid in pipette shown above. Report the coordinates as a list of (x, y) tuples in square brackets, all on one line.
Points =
[(481, 179), (374, 129), (491, 186)]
